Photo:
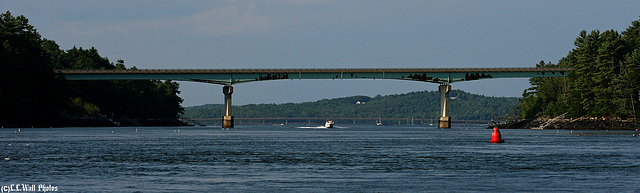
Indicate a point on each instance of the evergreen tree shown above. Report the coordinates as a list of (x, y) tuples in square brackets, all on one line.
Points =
[(420, 105), (31, 95), (604, 81), (29, 92)]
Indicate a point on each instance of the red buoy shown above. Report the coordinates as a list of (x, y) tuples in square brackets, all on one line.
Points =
[(495, 136)]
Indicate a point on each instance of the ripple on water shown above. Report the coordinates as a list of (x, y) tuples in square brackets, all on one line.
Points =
[(369, 159)]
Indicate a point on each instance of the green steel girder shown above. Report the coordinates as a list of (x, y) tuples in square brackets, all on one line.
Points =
[(236, 76)]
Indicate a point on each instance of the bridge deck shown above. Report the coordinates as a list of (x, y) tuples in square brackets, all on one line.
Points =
[(235, 76)]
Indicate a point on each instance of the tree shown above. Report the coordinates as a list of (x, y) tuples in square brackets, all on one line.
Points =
[(420, 105), (29, 91), (543, 98), (628, 85), (603, 81), (31, 95)]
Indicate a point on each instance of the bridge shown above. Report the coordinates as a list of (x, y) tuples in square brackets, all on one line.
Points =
[(229, 77)]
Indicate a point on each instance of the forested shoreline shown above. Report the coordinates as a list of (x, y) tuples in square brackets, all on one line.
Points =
[(603, 89), (31, 95), (605, 80), (419, 105)]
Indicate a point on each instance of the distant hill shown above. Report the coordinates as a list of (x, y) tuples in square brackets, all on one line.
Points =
[(420, 105)]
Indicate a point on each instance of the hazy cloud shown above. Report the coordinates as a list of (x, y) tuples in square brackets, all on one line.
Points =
[(228, 19), (300, 2), (231, 19)]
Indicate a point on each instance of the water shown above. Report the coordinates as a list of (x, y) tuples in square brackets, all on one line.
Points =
[(356, 158)]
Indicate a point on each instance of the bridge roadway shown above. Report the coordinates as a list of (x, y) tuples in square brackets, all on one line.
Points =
[(236, 76), (229, 77)]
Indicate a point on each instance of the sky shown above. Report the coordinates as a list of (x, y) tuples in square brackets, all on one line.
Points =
[(209, 34)]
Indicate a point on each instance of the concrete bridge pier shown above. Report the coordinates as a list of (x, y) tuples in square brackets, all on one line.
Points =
[(227, 120), (445, 120)]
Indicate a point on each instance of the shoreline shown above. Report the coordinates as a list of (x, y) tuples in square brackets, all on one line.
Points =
[(101, 122), (582, 123)]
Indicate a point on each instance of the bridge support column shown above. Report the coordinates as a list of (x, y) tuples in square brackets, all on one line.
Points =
[(445, 120), (227, 120)]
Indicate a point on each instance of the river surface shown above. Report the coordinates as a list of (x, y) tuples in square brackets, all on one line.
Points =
[(298, 158)]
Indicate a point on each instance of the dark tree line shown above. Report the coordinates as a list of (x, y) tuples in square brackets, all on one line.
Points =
[(422, 105), (605, 81), (32, 95)]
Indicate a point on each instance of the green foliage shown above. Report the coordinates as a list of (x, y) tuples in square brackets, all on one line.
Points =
[(29, 91), (604, 81), (543, 94), (139, 99), (423, 104), (31, 95), (77, 106)]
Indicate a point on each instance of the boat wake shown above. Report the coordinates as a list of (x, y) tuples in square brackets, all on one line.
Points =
[(316, 127), (321, 127)]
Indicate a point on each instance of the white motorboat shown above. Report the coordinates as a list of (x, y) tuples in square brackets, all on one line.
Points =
[(328, 124)]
